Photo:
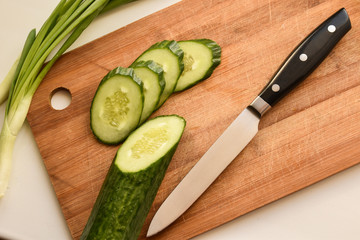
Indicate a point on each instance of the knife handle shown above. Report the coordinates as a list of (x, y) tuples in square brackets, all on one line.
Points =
[(303, 60)]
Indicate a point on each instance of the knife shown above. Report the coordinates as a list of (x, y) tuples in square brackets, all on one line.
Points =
[(298, 65)]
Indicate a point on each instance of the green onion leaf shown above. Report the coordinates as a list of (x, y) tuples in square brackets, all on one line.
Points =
[(67, 21)]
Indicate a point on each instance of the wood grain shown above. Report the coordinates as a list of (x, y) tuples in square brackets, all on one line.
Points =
[(311, 134)]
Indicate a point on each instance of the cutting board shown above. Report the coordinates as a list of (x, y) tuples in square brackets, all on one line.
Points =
[(311, 134)]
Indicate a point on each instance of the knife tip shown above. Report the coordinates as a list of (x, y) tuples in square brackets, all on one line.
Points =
[(158, 223), (152, 230)]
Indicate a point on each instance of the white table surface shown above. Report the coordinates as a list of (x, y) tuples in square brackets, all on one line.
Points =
[(327, 210)]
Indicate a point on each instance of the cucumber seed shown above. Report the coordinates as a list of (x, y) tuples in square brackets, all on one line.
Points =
[(115, 108)]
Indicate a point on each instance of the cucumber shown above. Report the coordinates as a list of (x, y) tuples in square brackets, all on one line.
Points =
[(169, 56), (152, 76), (133, 180), (201, 57), (117, 106)]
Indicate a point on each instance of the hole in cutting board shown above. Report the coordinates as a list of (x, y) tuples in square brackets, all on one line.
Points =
[(60, 98)]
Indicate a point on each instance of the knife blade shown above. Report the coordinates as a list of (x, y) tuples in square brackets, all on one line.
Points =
[(299, 64)]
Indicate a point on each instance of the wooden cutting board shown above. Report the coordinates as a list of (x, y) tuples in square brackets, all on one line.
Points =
[(311, 134)]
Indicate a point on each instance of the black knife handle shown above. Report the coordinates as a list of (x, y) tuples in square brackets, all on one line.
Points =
[(306, 57)]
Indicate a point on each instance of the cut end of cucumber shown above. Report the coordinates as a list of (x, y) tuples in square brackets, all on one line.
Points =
[(149, 143)]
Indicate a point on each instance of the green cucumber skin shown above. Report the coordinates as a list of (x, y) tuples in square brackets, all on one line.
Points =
[(154, 67), (117, 71), (157, 69), (121, 71), (173, 46), (216, 59), (125, 200), (117, 196)]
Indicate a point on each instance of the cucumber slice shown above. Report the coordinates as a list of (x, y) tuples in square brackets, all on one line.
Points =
[(117, 106), (169, 56), (133, 180), (201, 57), (152, 76)]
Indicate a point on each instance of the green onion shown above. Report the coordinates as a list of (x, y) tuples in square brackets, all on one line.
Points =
[(68, 20), (6, 83)]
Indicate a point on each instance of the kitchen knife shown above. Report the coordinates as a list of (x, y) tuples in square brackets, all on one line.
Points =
[(298, 65)]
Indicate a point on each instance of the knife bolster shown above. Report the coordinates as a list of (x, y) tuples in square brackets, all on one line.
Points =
[(259, 106)]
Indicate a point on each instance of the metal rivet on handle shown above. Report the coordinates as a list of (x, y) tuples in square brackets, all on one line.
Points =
[(331, 28), (303, 57), (275, 87)]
